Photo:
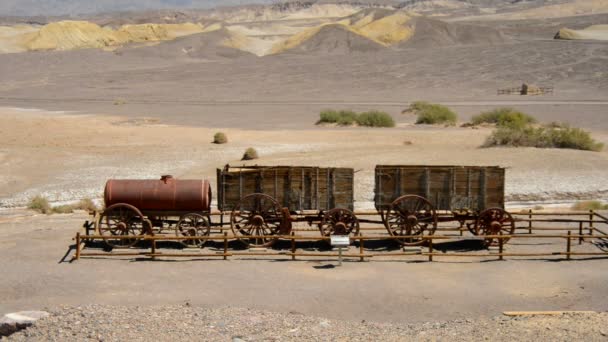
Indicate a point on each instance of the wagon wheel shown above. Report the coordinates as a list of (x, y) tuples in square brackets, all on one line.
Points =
[(494, 221), (410, 215), (339, 222), (122, 220), (256, 215), (192, 224)]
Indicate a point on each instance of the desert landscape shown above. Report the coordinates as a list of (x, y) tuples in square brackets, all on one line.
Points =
[(131, 92)]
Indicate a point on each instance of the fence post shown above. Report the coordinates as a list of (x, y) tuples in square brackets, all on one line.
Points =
[(293, 246), (153, 248), (77, 246), (568, 246), (530, 221), (591, 216), (225, 246), (580, 232), (500, 245), (430, 248), (361, 247)]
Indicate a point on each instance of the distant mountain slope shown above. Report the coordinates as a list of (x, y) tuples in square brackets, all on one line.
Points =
[(430, 32), (199, 46), (333, 39)]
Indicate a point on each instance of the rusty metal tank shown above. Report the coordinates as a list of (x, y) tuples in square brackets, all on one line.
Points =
[(165, 194)]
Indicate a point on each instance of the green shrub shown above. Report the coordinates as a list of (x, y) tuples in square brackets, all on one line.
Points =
[(348, 117), (574, 138), (433, 114), (544, 137), (375, 119), (86, 204), (589, 205), (40, 204), (504, 117), (250, 154), (342, 117), (220, 138), (63, 209)]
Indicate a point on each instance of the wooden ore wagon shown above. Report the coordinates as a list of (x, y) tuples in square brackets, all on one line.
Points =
[(409, 198), (262, 200)]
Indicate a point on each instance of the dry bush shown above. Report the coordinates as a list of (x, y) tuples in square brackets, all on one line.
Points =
[(250, 154), (544, 137), (220, 138), (589, 205), (341, 117), (433, 114), (40, 204), (86, 204), (375, 118), (504, 117), (63, 209)]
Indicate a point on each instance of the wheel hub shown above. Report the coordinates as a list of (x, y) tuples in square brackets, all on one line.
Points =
[(121, 226), (412, 220), (495, 226), (340, 228), (257, 220)]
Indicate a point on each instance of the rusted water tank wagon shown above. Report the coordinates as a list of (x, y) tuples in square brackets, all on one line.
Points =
[(165, 194), (137, 206)]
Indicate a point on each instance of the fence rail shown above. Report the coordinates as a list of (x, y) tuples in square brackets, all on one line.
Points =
[(586, 228)]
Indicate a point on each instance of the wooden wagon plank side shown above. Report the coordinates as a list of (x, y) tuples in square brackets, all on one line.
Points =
[(446, 187)]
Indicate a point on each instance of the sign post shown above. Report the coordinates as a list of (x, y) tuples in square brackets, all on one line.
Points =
[(340, 241)]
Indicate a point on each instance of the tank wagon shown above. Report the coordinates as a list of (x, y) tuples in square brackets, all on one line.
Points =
[(136, 207), (263, 202)]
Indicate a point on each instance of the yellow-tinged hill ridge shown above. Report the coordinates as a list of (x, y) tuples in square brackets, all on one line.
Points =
[(69, 35)]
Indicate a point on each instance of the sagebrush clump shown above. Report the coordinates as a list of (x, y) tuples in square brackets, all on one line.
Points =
[(39, 204), (375, 118), (543, 137), (433, 114), (250, 154), (589, 205), (63, 209), (504, 117), (372, 118), (86, 204), (220, 138)]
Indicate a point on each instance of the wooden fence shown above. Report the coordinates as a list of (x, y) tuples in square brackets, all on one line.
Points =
[(585, 225)]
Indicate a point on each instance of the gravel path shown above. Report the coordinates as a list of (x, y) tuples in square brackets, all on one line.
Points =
[(186, 322)]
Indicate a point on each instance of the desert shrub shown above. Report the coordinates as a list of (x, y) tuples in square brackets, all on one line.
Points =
[(504, 117), (574, 138), (544, 137), (589, 205), (341, 117), (220, 138), (433, 114), (375, 119), (40, 204), (250, 154), (63, 209), (86, 204)]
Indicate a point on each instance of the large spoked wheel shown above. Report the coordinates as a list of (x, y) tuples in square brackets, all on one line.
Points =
[(192, 225), (339, 222), (494, 221), (256, 215), (412, 216), (122, 225)]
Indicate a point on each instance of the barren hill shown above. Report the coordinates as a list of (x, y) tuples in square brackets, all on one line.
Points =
[(335, 39)]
